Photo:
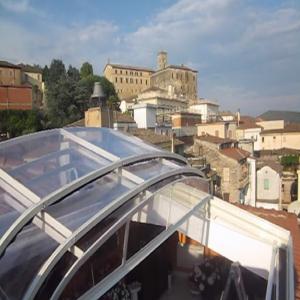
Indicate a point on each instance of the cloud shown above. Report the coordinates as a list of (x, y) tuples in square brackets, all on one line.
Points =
[(74, 44), (19, 6), (243, 50)]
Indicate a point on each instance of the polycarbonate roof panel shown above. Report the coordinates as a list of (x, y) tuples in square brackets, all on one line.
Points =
[(22, 260), (113, 141), (46, 162), (83, 204), (10, 210), (151, 168)]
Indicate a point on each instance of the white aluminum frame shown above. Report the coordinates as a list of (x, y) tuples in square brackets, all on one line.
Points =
[(33, 210), (84, 228), (104, 237), (108, 282)]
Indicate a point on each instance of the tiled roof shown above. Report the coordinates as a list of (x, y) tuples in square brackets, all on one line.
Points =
[(289, 222), (6, 64), (291, 127), (247, 122), (122, 118), (117, 117), (181, 67), (214, 139), (235, 153), (150, 136), (282, 151), (134, 68), (31, 69), (276, 166)]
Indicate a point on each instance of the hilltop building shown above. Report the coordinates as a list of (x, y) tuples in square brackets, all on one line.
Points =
[(131, 80)]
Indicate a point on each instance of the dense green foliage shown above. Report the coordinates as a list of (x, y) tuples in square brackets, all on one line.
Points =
[(67, 97), (68, 92), (18, 122), (86, 70), (290, 160)]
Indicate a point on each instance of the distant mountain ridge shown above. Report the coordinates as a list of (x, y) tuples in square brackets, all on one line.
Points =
[(287, 116)]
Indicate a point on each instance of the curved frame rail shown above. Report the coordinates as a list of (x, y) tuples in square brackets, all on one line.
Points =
[(84, 228), (102, 239), (32, 211)]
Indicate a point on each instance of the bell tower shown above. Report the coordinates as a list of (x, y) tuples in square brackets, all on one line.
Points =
[(162, 60)]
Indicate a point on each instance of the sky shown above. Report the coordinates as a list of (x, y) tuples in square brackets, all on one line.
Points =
[(247, 52)]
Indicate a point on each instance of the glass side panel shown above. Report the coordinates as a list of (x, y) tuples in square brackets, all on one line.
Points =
[(10, 210), (47, 164), (104, 261), (113, 141), (22, 260), (83, 204), (151, 168), (166, 207), (55, 276)]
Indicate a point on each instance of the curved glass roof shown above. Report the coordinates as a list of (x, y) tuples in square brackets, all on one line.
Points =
[(68, 196)]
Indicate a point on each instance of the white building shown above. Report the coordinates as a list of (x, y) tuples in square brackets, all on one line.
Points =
[(268, 193), (145, 115), (207, 108)]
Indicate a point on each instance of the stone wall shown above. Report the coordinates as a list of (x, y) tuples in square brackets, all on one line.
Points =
[(183, 81), (234, 176)]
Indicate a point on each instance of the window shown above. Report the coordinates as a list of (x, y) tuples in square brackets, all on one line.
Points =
[(226, 174), (126, 73), (116, 71), (131, 80), (263, 139), (116, 79), (266, 184), (121, 79), (136, 81), (172, 75), (126, 80), (131, 73), (141, 74), (146, 81), (274, 137), (120, 71), (141, 81)]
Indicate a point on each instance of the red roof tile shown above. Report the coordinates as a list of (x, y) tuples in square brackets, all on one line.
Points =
[(289, 222), (235, 153)]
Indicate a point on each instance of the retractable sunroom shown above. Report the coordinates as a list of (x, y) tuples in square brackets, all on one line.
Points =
[(68, 198)]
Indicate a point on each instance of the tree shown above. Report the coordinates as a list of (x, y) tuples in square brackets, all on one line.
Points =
[(86, 70), (57, 71), (45, 74), (73, 73)]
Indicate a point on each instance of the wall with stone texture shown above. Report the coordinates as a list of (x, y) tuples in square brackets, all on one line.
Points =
[(233, 174)]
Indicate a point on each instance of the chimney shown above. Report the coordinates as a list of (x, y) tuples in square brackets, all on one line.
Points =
[(99, 114)]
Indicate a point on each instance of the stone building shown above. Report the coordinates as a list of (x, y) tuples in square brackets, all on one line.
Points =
[(222, 129), (10, 74), (128, 80), (181, 78), (229, 162)]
